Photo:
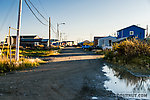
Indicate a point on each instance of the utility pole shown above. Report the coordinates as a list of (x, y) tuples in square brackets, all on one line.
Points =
[(58, 31), (9, 45), (61, 37), (49, 32), (146, 31), (18, 31)]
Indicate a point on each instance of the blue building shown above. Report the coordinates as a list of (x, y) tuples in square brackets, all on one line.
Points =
[(131, 31)]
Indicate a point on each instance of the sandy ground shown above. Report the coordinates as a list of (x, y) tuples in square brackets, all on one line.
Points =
[(72, 75)]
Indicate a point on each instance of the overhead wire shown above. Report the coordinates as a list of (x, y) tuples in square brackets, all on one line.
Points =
[(40, 3), (7, 16), (12, 6), (54, 31), (34, 13), (37, 10), (53, 28)]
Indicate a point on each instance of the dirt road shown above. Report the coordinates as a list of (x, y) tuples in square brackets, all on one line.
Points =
[(72, 75)]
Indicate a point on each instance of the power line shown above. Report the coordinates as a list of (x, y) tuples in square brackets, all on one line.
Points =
[(54, 31), (53, 28), (37, 10), (7, 16), (43, 7), (34, 14)]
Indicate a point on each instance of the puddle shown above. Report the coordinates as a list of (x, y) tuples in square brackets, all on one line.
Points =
[(126, 85), (94, 98)]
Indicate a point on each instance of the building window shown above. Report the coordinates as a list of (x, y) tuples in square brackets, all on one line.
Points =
[(131, 32), (118, 33), (110, 42)]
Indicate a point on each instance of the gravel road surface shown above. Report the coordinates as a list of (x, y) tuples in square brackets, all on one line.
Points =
[(71, 75)]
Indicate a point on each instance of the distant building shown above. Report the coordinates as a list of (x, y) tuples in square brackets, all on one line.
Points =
[(25, 40), (131, 31), (96, 40), (68, 43), (106, 42), (30, 41)]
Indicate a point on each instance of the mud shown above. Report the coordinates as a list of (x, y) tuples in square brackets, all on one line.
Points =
[(72, 75)]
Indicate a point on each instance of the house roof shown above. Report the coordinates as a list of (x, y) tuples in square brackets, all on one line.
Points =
[(34, 40), (131, 26), (98, 37), (31, 40), (45, 40), (108, 37), (25, 35), (120, 39), (123, 38)]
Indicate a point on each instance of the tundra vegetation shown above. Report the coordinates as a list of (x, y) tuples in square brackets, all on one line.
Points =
[(39, 53), (29, 59), (23, 63), (133, 54)]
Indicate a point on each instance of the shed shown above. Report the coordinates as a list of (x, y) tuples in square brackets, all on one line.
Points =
[(96, 40), (106, 42)]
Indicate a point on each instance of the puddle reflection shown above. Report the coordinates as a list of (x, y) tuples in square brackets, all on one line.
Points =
[(125, 84)]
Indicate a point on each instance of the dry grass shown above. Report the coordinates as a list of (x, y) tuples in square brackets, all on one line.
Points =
[(39, 53), (133, 54), (7, 66)]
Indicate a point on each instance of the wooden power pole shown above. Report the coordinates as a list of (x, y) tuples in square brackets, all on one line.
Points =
[(146, 31), (18, 31), (9, 45), (49, 32)]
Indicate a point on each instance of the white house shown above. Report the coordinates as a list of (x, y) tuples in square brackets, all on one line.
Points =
[(106, 42)]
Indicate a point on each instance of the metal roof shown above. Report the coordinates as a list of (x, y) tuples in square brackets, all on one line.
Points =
[(120, 39), (31, 40), (108, 37), (131, 26)]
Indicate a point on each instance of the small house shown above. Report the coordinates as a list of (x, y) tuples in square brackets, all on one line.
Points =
[(131, 31), (29, 41), (96, 40), (106, 42)]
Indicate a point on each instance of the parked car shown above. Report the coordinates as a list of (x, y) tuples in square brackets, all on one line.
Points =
[(86, 46)]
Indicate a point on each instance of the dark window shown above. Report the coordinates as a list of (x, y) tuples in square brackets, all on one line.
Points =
[(109, 42)]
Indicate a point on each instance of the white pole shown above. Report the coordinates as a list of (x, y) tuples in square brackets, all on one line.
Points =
[(18, 31), (49, 32), (58, 31)]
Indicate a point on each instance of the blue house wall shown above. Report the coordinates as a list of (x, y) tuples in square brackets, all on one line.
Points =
[(138, 32)]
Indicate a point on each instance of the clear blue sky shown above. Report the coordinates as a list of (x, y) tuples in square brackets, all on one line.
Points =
[(83, 18)]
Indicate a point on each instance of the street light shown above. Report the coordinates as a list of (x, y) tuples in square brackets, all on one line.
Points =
[(58, 29)]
